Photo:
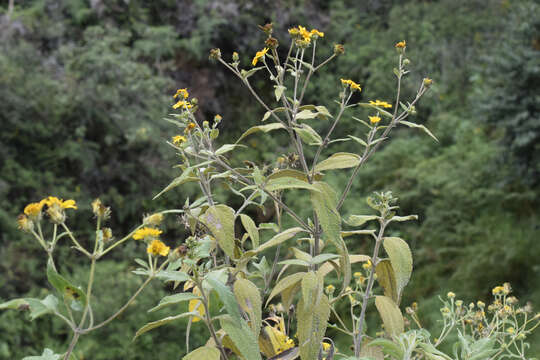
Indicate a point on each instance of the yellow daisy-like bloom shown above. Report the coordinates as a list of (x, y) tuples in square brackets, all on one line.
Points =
[(401, 44), (146, 232), (374, 119), (182, 93), (354, 86), (259, 55), (157, 247), (190, 127), (330, 289), (33, 210), (497, 290), (178, 140), (380, 103), (316, 32), (367, 265), (182, 104), (53, 201)]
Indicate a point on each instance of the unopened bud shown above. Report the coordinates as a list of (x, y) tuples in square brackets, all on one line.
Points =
[(406, 62), (153, 220), (427, 82), (24, 223), (271, 42), (339, 49), (235, 56), (215, 54), (267, 28)]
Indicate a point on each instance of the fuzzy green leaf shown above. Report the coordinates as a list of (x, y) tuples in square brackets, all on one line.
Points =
[(340, 160), (402, 263), (312, 322), (390, 315), (204, 352), (220, 220)]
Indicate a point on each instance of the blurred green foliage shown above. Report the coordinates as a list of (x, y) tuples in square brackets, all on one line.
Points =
[(84, 85)]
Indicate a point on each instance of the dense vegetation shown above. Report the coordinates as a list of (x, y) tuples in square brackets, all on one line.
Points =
[(84, 86)]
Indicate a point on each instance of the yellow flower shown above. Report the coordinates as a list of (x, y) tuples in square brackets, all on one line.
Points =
[(24, 223), (33, 210), (511, 330), (354, 86), (274, 340), (181, 92), (146, 232), (260, 54), (182, 104), (100, 210), (497, 290), (459, 303), (195, 305), (190, 127), (326, 346), (427, 82), (401, 44), (157, 247), (374, 119), (357, 274), (451, 295), (316, 32), (481, 304), (367, 265), (377, 102), (52, 201), (330, 289), (178, 140)]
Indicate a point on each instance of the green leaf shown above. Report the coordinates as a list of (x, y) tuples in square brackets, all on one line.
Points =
[(167, 276), (387, 279), (308, 135), (247, 73), (182, 179), (371, 351), (358, 140), (388, 347), (390, 315), (47, 354), (264, 128), (249, 298), (174, 299), (251, 229), (49, 305), (322, 258), (279, 238), (359, 220), (225, 295), (312, 288), (242, 337), (294, 262), (324, 203), (312, 322), (158, 323), (15, 304), (401, 258), (279, 89), (283, 183), (64, 287), (421, 127), (404, 218), (227, 147), (341, 160), (305, 115), (323, 111), (220, 220), (203, 353), (284, 284)]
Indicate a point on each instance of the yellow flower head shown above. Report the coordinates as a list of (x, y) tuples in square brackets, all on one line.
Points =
[(182, 104), (259, 55), (24, 223), (353, 86), (53, 201), (146, 232), (316, 32), (374, 119), (497, 290), (330, 289), (451, 295), (33, 210), (190, 127), (401, 44), (157, 247), (357, 274), (182, 93), (367, 265), (427, 82), (379, 103), (178, 140)]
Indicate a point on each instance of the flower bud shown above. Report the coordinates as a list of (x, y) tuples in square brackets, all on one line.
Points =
[(406, 62), (427, 82), (235, 56), (339, 49), (100, 210), (215, 54), (24, 223), (267, 28), (272, 42), (153, 220)]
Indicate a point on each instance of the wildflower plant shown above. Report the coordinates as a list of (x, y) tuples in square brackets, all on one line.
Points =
[(270, 306)]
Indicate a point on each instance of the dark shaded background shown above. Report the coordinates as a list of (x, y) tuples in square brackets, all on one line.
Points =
[(84, 86)]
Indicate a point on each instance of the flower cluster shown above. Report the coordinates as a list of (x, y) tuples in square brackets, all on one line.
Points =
[(33, 212), (351, 84), (182, 103), (303, 36), (380, 103)]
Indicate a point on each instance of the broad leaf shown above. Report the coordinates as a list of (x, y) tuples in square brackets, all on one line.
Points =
[(387, 279), (401, 258), (249, 299), (64, 287), (205, 352), (264, 128), (390, 315), (182, 179), (279, 238), (226, 296), (174, 299), (283, 183), (220, 220), (251, 229), (242, 337), (158, 323), (421, 127), (308, 135), (284, 284), (312, 322), (341, 160), (359, 220)]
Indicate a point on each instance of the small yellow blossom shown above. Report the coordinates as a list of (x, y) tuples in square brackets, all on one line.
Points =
[(259, 55), (33, 210), (451, 295), (190, 127), (497, 290), (357, 274), (178, 140), (459, 303), (182, 93), (54, 201), (427, 82), (316, 32), (401, 44), (157, 247), (24, 223), (354, 86), (380, 103), (367, 265), (511, 330), (330, 289), (146, 232), (182, 104), (374, 119), (218, 118)]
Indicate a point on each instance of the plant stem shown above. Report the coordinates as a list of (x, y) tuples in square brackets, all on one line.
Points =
[(367, 293), (78, 246)]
